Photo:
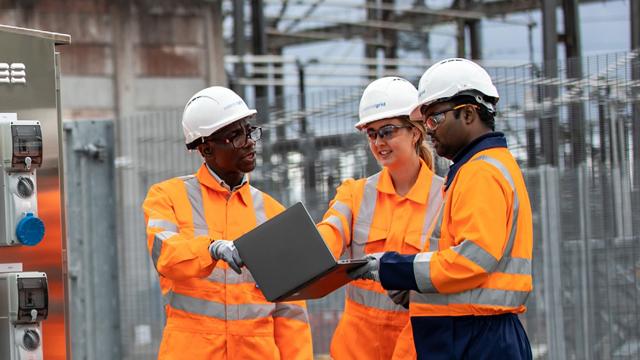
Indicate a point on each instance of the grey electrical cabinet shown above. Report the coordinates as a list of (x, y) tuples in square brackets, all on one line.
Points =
[(30, 90)]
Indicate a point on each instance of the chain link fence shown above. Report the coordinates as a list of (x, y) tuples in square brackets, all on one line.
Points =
[(575, 132)]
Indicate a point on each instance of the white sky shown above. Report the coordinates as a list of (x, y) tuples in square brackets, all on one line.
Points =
[(605, 28)]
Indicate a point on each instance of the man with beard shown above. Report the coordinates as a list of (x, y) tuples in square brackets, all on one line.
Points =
[(473, 278)]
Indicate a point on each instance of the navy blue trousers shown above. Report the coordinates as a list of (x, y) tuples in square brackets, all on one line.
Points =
[(470, 337)]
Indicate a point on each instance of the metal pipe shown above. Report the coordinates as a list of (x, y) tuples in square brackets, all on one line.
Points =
[(475, 37), (214, 44), (259, 45), (634, 17), (239, 43), (549, 122), (552, 272), (573, 52)]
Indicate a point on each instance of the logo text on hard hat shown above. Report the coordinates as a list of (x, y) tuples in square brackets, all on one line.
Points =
[(235, 103), (375, 106)]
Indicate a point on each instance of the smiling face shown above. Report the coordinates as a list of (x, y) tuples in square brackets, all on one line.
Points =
[(397, 147)]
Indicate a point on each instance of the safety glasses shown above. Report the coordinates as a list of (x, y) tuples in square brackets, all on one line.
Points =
[(385, 132), (432, 121), (240, 137)]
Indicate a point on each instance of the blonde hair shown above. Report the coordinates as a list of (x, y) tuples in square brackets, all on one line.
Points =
[(422, 147)]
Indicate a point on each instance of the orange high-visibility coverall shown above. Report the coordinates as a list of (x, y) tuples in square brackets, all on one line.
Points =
[(478, 260), (367, 216), (405, 349), (212, 312)]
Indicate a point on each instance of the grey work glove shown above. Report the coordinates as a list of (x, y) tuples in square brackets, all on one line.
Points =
[(369, 271), (226, 251), (400, 297)]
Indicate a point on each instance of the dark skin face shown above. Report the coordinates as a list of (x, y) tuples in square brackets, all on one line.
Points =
[(228, 162), (454, 133)]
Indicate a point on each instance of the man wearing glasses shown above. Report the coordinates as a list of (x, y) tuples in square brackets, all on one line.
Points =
[(213, 307), (474, 276)]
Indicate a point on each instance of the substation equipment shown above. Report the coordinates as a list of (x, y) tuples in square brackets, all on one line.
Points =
[(33, 295)]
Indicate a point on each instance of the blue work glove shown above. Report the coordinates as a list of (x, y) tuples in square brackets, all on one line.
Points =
[(369, 271), (226, 251), (400, 297)]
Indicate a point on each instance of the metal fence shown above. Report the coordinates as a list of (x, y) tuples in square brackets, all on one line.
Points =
[(573, 136)]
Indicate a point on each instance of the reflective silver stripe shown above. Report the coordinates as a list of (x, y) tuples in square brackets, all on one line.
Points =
[(249, 311), (235, 278), (220, 275), (217, 275), (434, 242), (516, 201), (291, 311), (343, 209), (514, 224), (372, 299), (194, 192), (218, 310), (501, 168), (434, 202), (157, 245), (491, 297), (258, 205), (163, 224), (195, 306), (365, 216), (508, 264), (477, 254), (422, 272), (337, 223), (517, 266)]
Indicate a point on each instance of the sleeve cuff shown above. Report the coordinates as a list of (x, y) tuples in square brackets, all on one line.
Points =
[(200, 247), (396, 272)]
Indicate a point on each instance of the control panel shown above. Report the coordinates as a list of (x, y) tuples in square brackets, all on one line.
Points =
[(24, 303), (20, 156)]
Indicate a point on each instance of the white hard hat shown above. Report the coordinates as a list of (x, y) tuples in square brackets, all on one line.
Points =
[(452, 77), (385, 98), (210, 110)]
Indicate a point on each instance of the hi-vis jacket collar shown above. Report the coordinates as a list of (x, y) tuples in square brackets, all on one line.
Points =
[(487, 141), (419, 193), (223, 183), (206, 178)]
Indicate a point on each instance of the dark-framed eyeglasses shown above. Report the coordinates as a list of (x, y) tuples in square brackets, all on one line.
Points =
[(432, 121), (385, 132), (240, 137)]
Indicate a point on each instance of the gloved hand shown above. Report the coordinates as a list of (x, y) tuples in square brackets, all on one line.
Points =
[(226, 251), (369, 271), (400, 297)]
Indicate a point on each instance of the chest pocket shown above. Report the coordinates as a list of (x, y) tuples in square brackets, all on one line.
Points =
[(413, 242), (368, 239)]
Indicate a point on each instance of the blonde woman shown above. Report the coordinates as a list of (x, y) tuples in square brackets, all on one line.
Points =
[(392, 210)]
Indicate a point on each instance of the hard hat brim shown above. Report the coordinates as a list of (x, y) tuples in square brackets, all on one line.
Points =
[(381, 116), (229, 121), (209, 130)]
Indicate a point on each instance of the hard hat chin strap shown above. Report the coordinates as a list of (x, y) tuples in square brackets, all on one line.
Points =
[(486, 104), (478, 97)]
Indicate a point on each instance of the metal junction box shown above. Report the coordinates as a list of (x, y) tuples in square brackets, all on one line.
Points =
[(32, 169)]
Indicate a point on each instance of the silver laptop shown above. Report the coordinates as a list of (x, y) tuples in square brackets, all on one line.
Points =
[(289, 259)]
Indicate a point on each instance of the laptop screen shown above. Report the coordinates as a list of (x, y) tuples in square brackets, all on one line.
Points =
[(285, 252)]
